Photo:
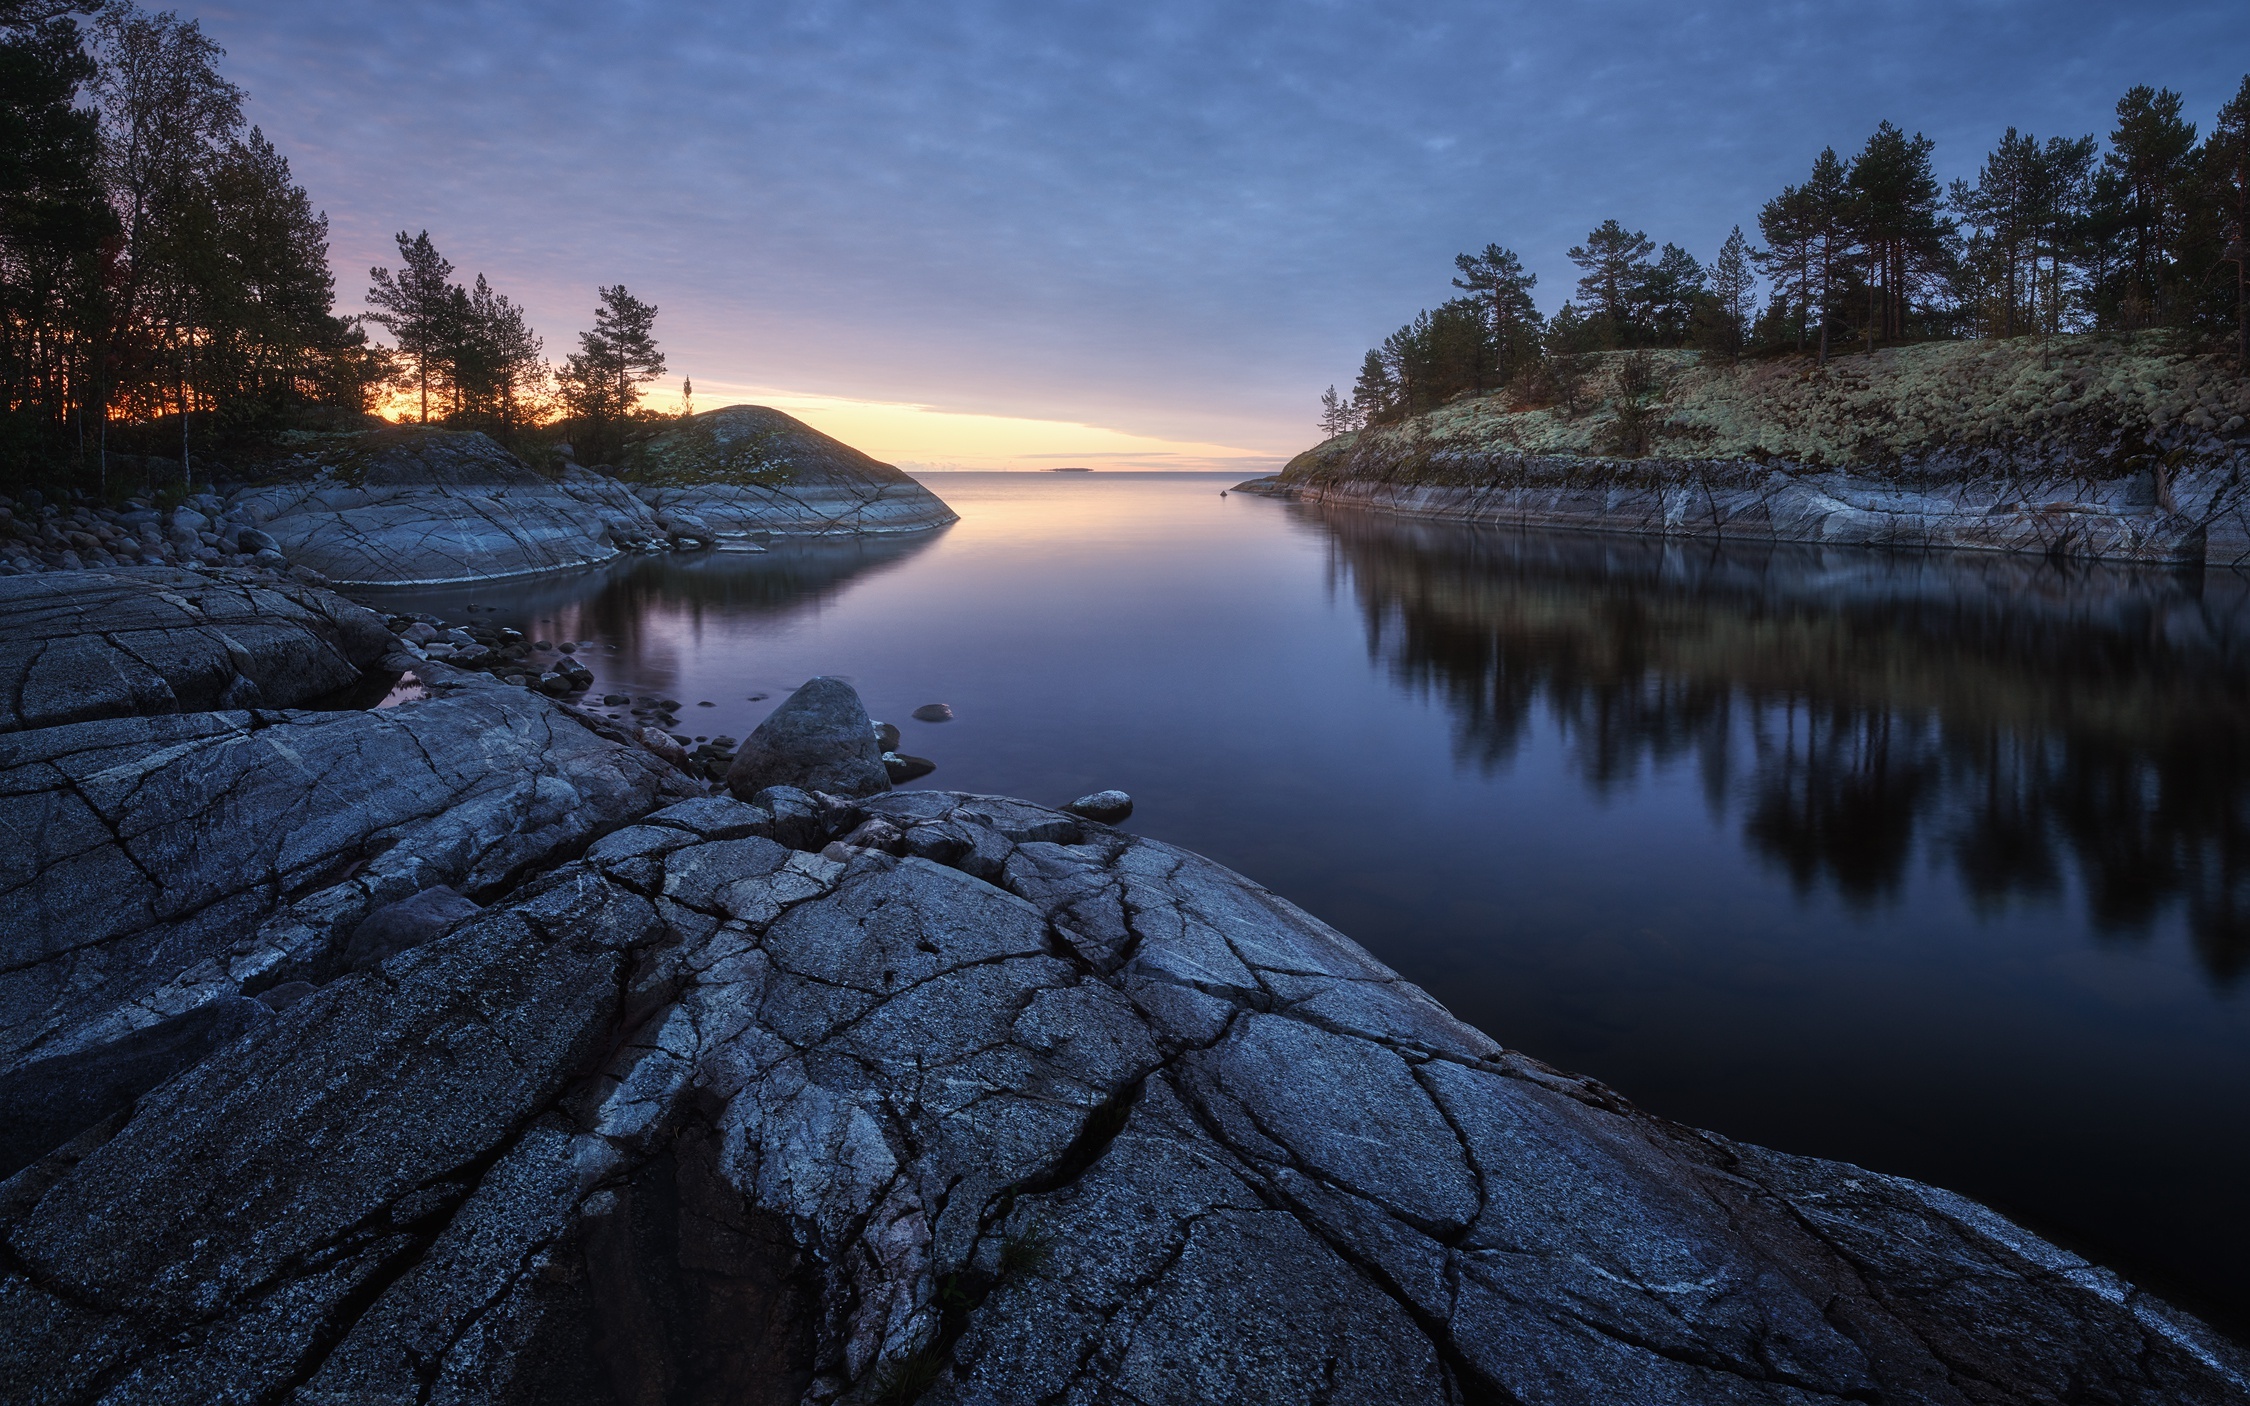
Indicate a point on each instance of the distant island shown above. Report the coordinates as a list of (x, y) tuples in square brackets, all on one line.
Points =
[(1072, 469)]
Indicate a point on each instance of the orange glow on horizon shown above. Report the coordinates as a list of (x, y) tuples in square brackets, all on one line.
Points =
[(927, 438)]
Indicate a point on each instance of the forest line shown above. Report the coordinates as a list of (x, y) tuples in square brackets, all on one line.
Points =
[(166, 289), (2051, 237)]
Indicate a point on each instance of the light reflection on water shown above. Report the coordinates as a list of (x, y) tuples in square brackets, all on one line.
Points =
[(1938, 864)]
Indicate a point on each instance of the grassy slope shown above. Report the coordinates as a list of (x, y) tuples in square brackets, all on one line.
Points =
[(1902, 402)]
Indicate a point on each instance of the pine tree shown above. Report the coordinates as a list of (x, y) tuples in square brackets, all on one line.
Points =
[(1664, 303), (166, 114), (420, 307), (1787, 225), (1616, 265), (2066, 167), (2003, 209), (687, 398), (500, 362), (1375, 394), (1496, 279), (1734, 292), (1826, 210), (265, 302), (2151, 159), (601, 381), (2226, 166), (54, 220), (1902, 231)]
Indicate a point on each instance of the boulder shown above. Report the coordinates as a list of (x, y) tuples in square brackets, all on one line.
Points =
[(819, 739), (747, 471), (1026, 1111)]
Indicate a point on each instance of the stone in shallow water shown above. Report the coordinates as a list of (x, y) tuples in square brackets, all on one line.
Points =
[(820, 739), (905, 768), (934, 713), (1109, 807)]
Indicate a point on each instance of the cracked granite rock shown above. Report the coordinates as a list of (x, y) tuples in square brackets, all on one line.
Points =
[(746, 470), (75, 646), (152, 864), (414, 506), (958, 1099)]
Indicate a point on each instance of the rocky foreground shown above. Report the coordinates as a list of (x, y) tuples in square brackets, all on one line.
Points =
[(470, 1050), (2117, 448)]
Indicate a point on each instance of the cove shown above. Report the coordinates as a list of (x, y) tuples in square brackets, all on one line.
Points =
[(1936, 864)]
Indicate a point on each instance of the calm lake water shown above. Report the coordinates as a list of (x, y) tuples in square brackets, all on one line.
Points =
[(1940, 865)]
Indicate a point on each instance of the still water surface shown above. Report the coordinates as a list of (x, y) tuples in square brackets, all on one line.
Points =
[(1940, 865)]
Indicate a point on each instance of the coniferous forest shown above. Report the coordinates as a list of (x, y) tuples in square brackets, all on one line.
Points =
[(166, 298), (2054, 235)]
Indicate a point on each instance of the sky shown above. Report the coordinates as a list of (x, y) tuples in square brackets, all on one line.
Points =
[(994, 234)]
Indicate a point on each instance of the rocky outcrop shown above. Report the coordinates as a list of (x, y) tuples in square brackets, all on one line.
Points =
[(747, 471), (1014, 1108), (140, 640), (413, 506), (928, 1096), (2119, 449), (1937, 506), (157, 863)]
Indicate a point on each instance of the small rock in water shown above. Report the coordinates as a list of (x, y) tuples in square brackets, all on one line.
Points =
[(568, 646), (904, 768), (662, 744), (756, 698), (1108, 807), (886, 736), (934, 713), (707, 703), (613, 699)]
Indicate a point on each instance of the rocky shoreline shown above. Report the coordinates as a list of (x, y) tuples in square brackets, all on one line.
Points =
[(2097, 448), (1938, 507), (413, 506), (474, 1048)]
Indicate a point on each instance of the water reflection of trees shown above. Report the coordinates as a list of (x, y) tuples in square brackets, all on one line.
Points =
[(2018, 719), (634, 605)]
